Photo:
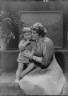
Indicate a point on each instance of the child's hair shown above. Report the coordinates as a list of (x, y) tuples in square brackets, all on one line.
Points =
[(24, 30)]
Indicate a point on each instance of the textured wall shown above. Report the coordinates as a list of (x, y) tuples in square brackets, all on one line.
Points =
[(8, 60), (41, 6)]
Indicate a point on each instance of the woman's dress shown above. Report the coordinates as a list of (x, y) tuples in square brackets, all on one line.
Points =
[(47, 78)]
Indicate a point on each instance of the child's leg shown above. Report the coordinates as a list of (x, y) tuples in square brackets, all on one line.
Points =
[(19, 71), (28, 69)]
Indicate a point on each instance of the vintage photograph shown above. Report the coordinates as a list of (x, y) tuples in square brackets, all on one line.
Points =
[(33, 47)]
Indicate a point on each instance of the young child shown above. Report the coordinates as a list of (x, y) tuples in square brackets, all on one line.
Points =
[(24, 45)]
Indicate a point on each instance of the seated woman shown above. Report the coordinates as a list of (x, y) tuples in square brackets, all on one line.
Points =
[(47, 77)]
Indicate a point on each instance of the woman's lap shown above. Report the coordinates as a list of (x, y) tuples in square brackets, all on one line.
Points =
[(50, 80), (44, 82)]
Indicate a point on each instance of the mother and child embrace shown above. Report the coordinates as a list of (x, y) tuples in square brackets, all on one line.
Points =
[(42, 74)]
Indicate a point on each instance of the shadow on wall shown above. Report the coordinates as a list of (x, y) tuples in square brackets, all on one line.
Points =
[(60, 59)]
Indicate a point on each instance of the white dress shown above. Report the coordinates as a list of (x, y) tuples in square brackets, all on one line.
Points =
[(48, 81)]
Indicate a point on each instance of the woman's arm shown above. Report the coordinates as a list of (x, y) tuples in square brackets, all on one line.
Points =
[(48, 51), (38, 59), (28, 69)]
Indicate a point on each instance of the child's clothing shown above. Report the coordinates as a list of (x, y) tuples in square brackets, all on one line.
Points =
[(29, 47), (21, 58)]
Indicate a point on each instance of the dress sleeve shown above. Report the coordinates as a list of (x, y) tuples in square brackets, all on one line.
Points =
[(48, 51)]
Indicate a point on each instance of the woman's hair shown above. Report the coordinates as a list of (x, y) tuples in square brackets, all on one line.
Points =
[(39, 28)]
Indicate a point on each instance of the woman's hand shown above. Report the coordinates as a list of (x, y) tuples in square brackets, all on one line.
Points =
[(28, 54)]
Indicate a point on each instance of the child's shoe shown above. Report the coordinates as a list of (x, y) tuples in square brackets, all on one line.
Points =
[(16, 81)]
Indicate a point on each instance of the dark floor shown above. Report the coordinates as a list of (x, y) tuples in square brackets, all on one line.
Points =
[(7, 78), (8, 87)]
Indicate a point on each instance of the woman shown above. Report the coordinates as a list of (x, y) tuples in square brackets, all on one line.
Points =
[(47, 76)]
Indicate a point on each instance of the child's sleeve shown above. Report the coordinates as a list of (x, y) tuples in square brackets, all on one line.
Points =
[(21, 45)]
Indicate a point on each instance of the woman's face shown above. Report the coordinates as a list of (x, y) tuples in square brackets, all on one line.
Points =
[(34, 35)]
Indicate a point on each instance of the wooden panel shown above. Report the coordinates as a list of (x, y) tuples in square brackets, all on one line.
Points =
[(52, 20), (8, 60)]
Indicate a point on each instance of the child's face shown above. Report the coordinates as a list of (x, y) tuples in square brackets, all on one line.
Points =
[(27, 35)]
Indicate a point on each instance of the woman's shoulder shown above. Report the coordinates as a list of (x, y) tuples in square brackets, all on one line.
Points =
[(46, 39), (48, 42)]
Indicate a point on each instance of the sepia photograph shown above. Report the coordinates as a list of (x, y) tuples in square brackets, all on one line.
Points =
[(33, 47)]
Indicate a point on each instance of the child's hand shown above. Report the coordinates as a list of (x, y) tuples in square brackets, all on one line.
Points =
[(28, 54)]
